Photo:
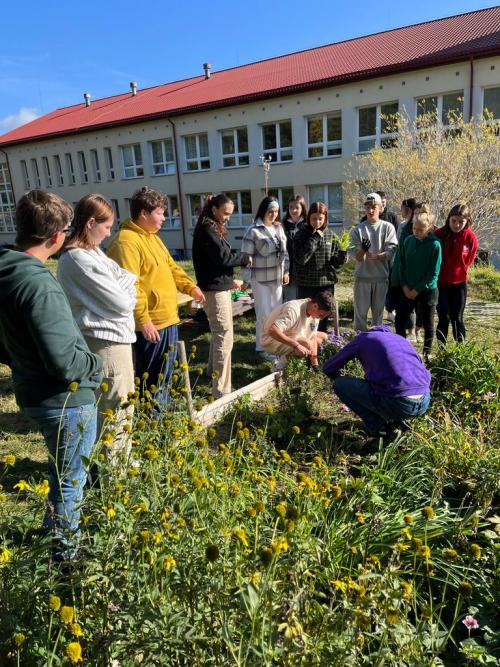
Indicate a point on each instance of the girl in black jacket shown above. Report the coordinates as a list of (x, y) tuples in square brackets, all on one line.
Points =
[(213, 261), (317, 256), (294, 217)]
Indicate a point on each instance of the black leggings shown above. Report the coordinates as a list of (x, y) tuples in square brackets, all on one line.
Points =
[(425, 303), (450, 308)]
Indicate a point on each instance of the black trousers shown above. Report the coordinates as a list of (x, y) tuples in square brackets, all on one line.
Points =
[(450, 308), (308, 293), (425, 303)]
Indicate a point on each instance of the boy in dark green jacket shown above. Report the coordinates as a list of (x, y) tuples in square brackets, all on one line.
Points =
[(420, 261), (53, 372)]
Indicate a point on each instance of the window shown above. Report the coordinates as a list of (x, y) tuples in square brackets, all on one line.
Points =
[(46, 172), (283, 195), (36, 173), (172, 213), (70, 168), (195, 206), (7, 206), (331, 195), (26, 176), (242, 214), (324, 135), (58, 170), (96, 168), (108, 156), (491, 101), (376, 126), (82, 162), (445, 107), (196, 147), (132, 161), (277, 141), (162, 157), (235, 147), (115, 205)]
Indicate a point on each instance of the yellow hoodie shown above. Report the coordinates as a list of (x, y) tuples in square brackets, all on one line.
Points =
[(145, 254)]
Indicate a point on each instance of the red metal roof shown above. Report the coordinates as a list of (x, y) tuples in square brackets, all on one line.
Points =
[(425, 44)]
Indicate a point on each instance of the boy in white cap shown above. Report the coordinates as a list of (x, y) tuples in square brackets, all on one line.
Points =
[(373, 244)]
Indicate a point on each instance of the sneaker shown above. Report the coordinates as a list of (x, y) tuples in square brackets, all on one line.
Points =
[(268, 357), (280, 363), (391, 316)]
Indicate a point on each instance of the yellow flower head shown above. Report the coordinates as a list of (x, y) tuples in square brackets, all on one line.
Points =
[(74, 652), (73, 386), (475, 551), (450, 554), (5, 555), (104, 387), (43, 488), (279, 545), (360, 517), (67, 614), (408, 519), (76, 629), (296, 430), (19, 639), (169, 563), (269, 410), (9, 459), (428, 513), (54, 603), (424, 551), (336, 491), (465, 589), (22, 485)]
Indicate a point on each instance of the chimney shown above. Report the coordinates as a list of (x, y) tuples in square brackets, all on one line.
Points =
[(86, 97), (207, 67), (133, 88)]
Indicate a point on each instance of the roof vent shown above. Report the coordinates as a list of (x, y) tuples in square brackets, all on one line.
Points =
[(133, 88), (207, 67), (87, 97)]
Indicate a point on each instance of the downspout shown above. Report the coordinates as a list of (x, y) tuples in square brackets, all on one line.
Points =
[(179, 187), (471, 85), (10, 173)]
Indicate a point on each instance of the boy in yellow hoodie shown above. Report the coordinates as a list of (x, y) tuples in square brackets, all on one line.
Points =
[(138, 248)]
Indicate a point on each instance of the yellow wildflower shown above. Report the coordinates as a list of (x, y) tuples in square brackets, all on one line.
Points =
[(360, 517), (22, 485), (406, 587), (408, 519), (9, 459), (339, 585), (336, 491), (19, 639), (428, 513), (296, 429), (279, 545), (42, 488), (54, 603), (465, 589), (169, 563), (450, 554), (475, 551), (76, 629), (240, 534), (67, 614), (74, 652), (5, 555), (269, 410), (392, 615), (73, 386), (424, 551)]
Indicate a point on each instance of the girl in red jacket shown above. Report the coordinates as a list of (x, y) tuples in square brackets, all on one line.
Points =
[(459, 246)]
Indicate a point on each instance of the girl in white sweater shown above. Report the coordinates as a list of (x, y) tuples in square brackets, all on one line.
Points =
[(102, 296)]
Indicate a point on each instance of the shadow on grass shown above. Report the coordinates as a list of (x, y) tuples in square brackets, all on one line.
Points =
[(15, 422), (24, 468)]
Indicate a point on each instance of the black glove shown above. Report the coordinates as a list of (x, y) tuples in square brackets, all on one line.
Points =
[(366, 244)]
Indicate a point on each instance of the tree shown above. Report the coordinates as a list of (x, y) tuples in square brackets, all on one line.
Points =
[(440, 164)]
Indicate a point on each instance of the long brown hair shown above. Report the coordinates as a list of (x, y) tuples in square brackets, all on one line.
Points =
[(206, 215), (296, 199), (91, 206), (318, 207), (463, 211)]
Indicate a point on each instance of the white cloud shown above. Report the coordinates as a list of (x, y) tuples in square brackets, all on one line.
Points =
[(24, 115)]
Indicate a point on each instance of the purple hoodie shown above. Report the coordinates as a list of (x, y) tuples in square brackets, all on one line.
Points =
[(392, 366)]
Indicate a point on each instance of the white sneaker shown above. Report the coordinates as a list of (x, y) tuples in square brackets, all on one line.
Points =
[(280, 363), (391, 316)]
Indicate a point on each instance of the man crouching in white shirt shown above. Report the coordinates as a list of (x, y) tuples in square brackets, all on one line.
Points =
[(291, 330)]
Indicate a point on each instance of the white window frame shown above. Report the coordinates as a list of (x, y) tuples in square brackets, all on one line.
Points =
[(135, 169), (379, 136), (82, 164), (46, 171), (172, 221), (197, 161), (96, 167), (110, 169), (324, 144), (335, 215), (276, 153), (26, 174), (116, 207), (71, 169), (168, 166), (281, 196), (36, 173), (7, 205), (439, 108), (237, 155), (495, 119), (58, 169), (239, 219)]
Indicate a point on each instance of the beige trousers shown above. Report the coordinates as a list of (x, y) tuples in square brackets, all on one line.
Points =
[(119, 376), (219, 310)]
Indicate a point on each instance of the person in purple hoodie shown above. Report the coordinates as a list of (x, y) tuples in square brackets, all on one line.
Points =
[(396, 385)]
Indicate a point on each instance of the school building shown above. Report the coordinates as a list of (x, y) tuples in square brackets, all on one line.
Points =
[(308, 111)]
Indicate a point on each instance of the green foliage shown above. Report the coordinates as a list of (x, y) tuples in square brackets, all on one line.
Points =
[(484, 283)]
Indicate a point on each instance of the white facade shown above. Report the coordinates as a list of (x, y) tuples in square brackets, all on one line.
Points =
[(310, 136)]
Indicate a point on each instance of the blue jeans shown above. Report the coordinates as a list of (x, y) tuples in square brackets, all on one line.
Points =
[(156, 358), (377, 411), (70, 434)]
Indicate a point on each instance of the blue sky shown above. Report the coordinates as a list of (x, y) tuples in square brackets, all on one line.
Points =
[(52, 52)]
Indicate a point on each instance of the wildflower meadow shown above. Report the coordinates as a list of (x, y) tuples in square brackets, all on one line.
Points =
[(270, 538)]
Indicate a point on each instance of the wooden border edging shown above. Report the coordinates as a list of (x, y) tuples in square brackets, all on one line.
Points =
[(214, 411)]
